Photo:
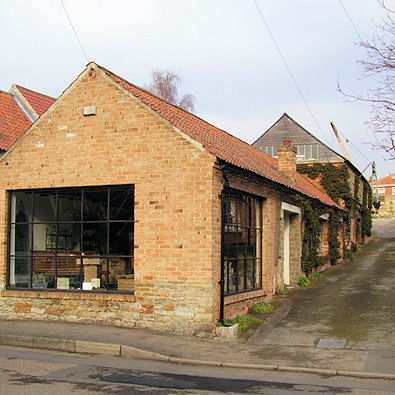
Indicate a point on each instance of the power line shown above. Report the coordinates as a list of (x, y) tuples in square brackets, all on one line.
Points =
[(289, 70), (361, 40), (75, 33), (351, 21), (356, 149)]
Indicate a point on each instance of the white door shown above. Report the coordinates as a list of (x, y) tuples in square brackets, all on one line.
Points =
[(286, 248)]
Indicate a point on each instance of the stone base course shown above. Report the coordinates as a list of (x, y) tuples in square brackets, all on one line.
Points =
[(186, 309)]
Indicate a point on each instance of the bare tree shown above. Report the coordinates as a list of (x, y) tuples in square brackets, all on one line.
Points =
[(165, 85), (380, 61)]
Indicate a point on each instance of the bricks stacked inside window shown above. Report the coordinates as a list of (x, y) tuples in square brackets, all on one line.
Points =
[(72, 239)]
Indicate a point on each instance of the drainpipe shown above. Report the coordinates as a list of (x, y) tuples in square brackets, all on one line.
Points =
[(221, 282)]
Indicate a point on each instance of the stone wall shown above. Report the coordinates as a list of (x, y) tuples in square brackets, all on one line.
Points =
[(387, 207), (185, 309)]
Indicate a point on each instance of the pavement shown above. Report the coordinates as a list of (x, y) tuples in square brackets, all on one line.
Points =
[(331, 328)]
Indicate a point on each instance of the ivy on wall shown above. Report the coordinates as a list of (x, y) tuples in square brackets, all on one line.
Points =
[(336, 182), (311, 236), (366, 211), (335, 179), (333, 239)]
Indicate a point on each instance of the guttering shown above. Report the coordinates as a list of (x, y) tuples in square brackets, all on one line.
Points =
[(221, 282)]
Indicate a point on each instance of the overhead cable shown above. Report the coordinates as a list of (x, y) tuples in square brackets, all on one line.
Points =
[(75, 33), (289, 70)]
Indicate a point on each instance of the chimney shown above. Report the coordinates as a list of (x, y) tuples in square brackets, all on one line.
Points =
[(287, 159)]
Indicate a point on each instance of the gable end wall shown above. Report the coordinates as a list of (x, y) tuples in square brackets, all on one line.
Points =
[(176, 208)]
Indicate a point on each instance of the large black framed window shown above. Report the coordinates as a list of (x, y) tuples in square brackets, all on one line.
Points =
[(241, 241), (72, 238)]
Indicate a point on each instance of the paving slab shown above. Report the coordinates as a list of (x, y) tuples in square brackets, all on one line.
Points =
[(331, 343)]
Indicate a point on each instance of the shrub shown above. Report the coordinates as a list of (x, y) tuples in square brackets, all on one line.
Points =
[(303, 281), (245, 322), (282, 291), (348, 255), (262, 308), (315, 275)]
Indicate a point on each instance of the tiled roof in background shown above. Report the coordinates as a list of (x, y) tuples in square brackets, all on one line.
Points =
[(222, 144), (387, 180), (13, 121), (39, 102)]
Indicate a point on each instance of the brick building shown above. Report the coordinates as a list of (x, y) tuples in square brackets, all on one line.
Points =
[(312, 153), (386, 196), (120, 208)]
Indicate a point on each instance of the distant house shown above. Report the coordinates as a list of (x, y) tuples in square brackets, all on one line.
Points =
[(328, 170), (19, 108), (386, 185), (133, 212), (386, 195)]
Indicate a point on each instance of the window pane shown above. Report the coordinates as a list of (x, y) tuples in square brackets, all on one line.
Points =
[(44, 269), (69, 237), (20, 239), (44, 237), (300, 150), (230, 275), (21, 206), (243, 217), (95, 205), (121, 238), (308, 151), (121, 204), (95, 273), (69, 206), (250, 274), (275, 153), (230, 210), (121, 274), (240, 275), (44, 206), (69, 271), (95, 238), (314, 152), (20, 272)]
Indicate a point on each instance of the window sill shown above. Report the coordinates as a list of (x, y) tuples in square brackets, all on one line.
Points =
[(68, 295), (242, 296)]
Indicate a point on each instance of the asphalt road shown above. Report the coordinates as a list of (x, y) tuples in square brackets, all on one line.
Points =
[(25, 371), (352, 303)]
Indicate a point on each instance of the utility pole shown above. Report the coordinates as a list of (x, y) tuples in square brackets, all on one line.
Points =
[(376, 202)]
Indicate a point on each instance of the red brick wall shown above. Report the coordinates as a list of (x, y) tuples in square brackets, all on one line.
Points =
[(176, 196)]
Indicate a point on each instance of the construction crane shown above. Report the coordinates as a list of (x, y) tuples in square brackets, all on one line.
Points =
[(376, 203), (339, 139)]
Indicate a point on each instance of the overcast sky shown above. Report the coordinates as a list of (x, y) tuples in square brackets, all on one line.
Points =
[(221, 48)]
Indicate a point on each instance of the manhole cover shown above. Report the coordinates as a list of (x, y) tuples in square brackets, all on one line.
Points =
[(330, 343)]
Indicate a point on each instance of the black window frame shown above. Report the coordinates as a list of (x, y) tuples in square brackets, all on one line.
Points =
[(230, 229), (107, 221)]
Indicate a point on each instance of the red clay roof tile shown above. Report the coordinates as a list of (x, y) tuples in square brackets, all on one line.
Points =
[(222, 144), (387, 180), (39, 102), (13, 121)]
